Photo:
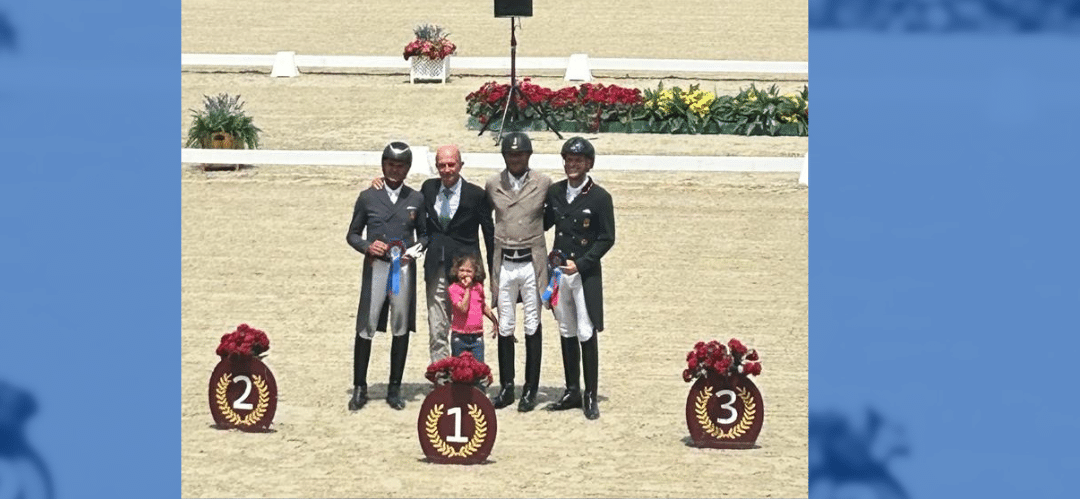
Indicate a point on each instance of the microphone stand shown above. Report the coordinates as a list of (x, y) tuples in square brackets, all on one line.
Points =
[(515, 91)]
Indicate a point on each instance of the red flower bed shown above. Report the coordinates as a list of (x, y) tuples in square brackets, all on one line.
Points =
[(589, 103)]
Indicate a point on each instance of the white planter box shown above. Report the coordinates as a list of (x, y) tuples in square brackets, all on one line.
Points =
[(424, 68)]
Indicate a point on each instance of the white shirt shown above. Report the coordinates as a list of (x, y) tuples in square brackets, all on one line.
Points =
[(572, 192), (393, 193), (455, 198), (517, 184)]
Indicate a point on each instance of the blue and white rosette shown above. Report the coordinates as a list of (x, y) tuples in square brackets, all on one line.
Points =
[(555, 261), (397, 249)]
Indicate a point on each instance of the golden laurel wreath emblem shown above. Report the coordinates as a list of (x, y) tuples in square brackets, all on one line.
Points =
[(747, 419), (232, 416), (470, 447)]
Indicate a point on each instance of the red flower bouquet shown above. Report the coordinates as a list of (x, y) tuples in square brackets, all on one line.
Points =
[(246, 340), (733, 359), (463, 369), (431, 41)]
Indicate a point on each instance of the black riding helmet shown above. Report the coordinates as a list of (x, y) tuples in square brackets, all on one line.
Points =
[(578, 145), (516, 142), (398, 151)]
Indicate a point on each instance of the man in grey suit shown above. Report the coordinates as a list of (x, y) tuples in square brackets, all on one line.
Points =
[(455, 210), (519, 264), (389, 227)]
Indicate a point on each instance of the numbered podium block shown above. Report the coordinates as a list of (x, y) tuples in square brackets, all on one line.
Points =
[(724, 412), (243, 394), (457, 425)]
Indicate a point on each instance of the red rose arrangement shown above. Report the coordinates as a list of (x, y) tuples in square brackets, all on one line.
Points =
[(431, 41), (733, 359), (246, 340), (463, 369)]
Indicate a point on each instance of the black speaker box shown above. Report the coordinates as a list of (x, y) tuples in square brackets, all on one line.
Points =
[(513, 8)]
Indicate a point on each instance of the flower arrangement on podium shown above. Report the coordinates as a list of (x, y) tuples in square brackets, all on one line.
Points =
[(244, 341), (429, 53), (457, 423), (243, 391), (465, 369), (724, 408), (734, 359)]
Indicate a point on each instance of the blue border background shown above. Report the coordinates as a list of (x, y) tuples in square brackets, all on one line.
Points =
[(944, 257), (90, 245), (943, 272)]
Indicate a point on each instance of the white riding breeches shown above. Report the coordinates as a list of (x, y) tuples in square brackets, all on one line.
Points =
[(518, 279), (570, 310)]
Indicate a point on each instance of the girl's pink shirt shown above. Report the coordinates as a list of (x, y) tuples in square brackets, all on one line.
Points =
[(471, 322)]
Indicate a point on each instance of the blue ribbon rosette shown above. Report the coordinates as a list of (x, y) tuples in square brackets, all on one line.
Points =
[(555, 261), (397, 249)]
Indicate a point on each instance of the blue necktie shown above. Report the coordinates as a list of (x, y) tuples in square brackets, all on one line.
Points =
[(444, 214)]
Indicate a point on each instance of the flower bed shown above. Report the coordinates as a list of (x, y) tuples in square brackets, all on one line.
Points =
[(610, 108)]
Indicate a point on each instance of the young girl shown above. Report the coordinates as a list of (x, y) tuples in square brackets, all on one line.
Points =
[(468, 307)]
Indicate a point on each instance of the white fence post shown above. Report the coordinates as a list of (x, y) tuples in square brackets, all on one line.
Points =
[(804, 177), (285, 65), (577, 68)]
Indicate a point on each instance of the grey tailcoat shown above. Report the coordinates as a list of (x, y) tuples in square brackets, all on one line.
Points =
[(376, 218)]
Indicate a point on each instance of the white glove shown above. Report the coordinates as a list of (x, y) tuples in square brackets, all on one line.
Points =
[(414, 251)]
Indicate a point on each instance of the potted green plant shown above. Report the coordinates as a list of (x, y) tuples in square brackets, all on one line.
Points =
[(429, 53), (222, 124)]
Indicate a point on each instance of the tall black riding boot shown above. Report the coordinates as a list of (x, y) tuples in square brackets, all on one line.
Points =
[(533, 351), (571, 398), (590, 366), (506, 373), (361, 355), (399, 349)]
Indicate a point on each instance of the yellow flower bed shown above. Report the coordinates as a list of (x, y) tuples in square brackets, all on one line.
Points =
[(698, 100)]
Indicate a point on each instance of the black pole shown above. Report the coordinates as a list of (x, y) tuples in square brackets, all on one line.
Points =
[(513, 80), (514, 90), (513, 53)]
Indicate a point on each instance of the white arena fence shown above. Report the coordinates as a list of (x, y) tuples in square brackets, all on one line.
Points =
[(424, 160), (287, 64), (577, 67)]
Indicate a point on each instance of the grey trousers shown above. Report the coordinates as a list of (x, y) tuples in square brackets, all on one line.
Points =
[(399, 303), (438, 309)]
